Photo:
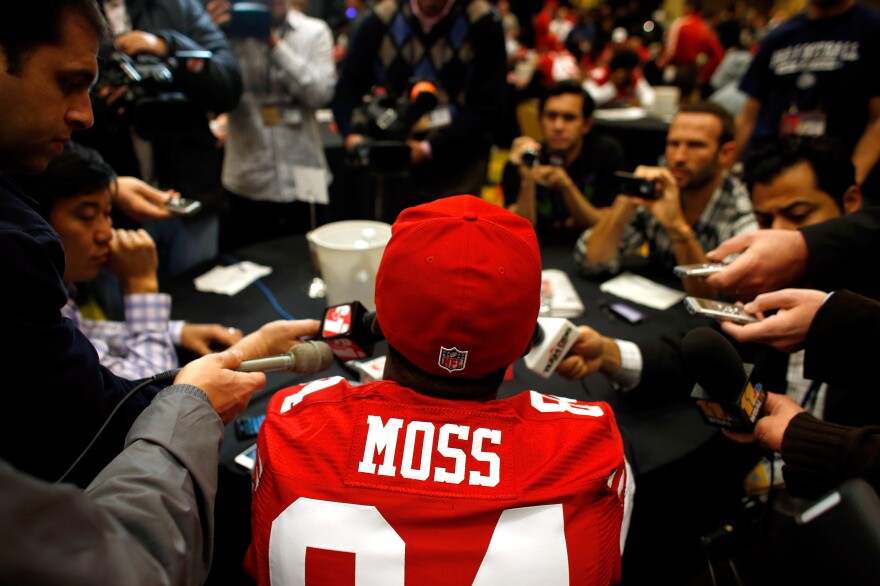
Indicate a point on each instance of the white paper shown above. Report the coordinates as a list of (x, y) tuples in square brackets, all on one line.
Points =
[(632, 113), (641, 290), (229, 280), (558, 295), (311, 184)]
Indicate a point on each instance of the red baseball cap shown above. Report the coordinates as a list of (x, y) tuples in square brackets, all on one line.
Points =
[(459, 287)]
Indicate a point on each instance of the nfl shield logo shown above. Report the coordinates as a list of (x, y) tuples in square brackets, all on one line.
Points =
[(452, 359)]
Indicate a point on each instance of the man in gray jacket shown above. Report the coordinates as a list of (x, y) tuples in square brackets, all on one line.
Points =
[(148, 518)]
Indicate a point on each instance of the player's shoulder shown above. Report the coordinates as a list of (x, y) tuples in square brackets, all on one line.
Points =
[(331, 389), (534, 406)]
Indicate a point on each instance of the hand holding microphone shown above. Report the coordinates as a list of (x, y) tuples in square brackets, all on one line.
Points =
[(723, 394), (592, 352), (554, 338), (305, 358), (228, 391), (778, 412), (276, 337)]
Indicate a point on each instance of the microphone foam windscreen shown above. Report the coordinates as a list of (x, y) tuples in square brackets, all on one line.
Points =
[(311, 357), (714, 363)]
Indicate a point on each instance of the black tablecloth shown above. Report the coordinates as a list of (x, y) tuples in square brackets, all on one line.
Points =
[(655, 434)]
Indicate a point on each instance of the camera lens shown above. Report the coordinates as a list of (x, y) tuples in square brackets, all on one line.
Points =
[(530, 157)]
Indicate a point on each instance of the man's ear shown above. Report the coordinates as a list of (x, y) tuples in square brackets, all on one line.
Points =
[(588, 125), (725, 154), (852, 199)]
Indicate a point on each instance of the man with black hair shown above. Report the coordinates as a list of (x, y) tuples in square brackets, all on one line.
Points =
[(57, 386), (426, 477), (562, 183), (815, 75), (699, 204), (620, 83), (149, 517), (800, 181), (49, 65), (76, 192)]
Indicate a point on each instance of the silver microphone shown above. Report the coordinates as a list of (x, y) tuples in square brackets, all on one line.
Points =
[(305, 358)]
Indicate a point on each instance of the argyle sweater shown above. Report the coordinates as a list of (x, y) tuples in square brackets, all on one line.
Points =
[(463, 55)]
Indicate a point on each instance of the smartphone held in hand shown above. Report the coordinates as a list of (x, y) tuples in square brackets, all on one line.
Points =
[(718, 310), (697, 270), (182, 206)]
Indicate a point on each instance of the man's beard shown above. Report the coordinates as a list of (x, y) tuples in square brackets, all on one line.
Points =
[(701, 178)]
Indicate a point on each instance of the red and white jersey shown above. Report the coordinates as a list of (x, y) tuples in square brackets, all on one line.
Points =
[(377, 484)]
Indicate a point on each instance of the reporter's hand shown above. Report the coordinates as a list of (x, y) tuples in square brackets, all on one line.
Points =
[(591, 352), (276, 337), (141, 201), (417, 155), (198, 338), (778, 411), (134, 261), (137, 42), (520, 145), (551, 176), (229, 391), (770, 260), (220, 129), (219, 11), (667, 207), (787, 329)]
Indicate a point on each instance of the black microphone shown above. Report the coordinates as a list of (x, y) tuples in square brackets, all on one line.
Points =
[(347, 329), (422, 99), (304, 358), (723, 393)]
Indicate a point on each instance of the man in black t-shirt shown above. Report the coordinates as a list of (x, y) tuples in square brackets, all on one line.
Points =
[(816, 75), (561, 184)]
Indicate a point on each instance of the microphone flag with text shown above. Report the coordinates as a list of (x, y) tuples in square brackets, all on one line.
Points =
[(723, 394), (348, 330), (555, 337), (308, 357)]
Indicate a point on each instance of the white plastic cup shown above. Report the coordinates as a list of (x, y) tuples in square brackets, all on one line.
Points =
[(666, 98), (348, 255)]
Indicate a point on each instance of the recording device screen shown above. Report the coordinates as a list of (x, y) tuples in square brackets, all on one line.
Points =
[(247, 457), (248, 426)]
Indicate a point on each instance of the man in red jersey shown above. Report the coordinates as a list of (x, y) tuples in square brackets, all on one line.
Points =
[(425, 477)]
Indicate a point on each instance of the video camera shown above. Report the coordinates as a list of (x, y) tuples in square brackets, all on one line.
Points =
[(151, 104), (388, 121)]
